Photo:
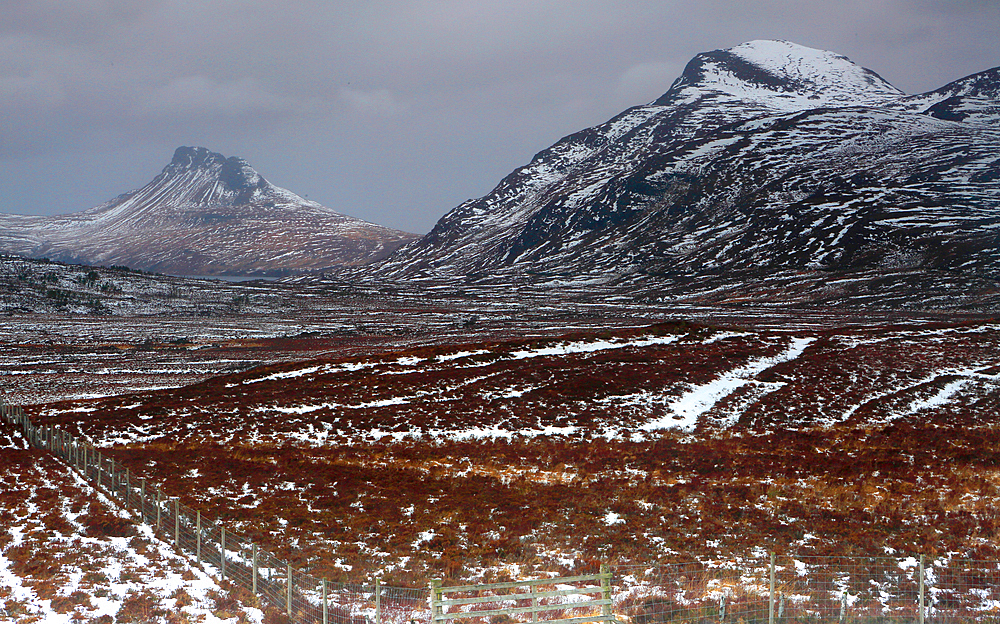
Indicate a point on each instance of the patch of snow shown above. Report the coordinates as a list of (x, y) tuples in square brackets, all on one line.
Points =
[(700, 399)]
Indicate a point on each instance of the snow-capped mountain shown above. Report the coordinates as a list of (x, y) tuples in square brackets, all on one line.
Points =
[(204, 214), (767, 156)]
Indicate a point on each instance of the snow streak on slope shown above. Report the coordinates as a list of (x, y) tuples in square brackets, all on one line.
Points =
[(688, 408)]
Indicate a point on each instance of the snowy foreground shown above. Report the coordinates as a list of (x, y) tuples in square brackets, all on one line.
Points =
[(67, 555)]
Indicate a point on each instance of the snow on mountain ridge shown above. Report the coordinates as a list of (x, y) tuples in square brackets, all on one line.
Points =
[(784, 76)]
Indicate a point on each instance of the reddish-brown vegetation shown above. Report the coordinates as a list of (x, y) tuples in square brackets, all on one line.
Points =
[(857, 447)]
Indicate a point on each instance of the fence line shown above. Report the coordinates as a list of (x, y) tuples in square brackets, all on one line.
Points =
[(226, 555), (774, 589)]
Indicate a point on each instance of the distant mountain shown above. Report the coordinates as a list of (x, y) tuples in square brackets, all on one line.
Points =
[(762, 158), (205, 214)]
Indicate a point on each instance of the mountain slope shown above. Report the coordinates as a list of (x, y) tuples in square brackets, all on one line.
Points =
[(204, 214), (765, 157)]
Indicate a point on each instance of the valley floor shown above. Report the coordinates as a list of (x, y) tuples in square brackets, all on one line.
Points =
[(494, 440)]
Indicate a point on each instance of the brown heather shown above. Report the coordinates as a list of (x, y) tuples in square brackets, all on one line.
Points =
[(784, 471)]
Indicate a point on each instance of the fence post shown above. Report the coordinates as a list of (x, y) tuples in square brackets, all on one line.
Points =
[(177, 524), (128, 487), (606, 589), (534, 604), (843, 607), (254, 569), (325, 605), (288, 591), (770, 594), (435, 600), (722, 608), (921, 613), (158, 493), (197, 548), (142, 499), (378, 601), (222, 552)]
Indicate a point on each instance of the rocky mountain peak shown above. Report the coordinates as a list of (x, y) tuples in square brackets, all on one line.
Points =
[(765, 158), (233, 172), (204, 214), (783, 75), (985, 84), (195, 158)]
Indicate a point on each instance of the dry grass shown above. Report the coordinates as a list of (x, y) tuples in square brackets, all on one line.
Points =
[(823, 464)]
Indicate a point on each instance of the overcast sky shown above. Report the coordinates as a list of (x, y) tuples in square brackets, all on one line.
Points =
[(394, 112)]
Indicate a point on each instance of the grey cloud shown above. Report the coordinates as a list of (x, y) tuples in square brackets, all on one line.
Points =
[(392, 111), (201, 95)]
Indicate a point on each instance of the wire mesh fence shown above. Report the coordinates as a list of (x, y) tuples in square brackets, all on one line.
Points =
[(229, 556), (764, 588), (812, 589)]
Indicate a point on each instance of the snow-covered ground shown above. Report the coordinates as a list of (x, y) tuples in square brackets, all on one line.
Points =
[(69, 555)]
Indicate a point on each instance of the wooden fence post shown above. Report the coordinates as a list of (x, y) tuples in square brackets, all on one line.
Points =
[(197, 547), (378, 601), (921, 616), (288, 592), (177, 524), (606, 589), (770, 594), (222, 551), (435, 599), (254, 584), (326, 608)]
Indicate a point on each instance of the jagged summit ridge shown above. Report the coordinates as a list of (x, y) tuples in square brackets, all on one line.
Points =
[(194, 158), (234, 172)]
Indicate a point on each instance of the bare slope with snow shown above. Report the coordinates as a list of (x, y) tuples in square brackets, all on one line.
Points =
[(205, 214), (766, 157)]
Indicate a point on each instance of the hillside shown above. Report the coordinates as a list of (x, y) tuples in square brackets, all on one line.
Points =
[(204, 214), (766, 159)]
